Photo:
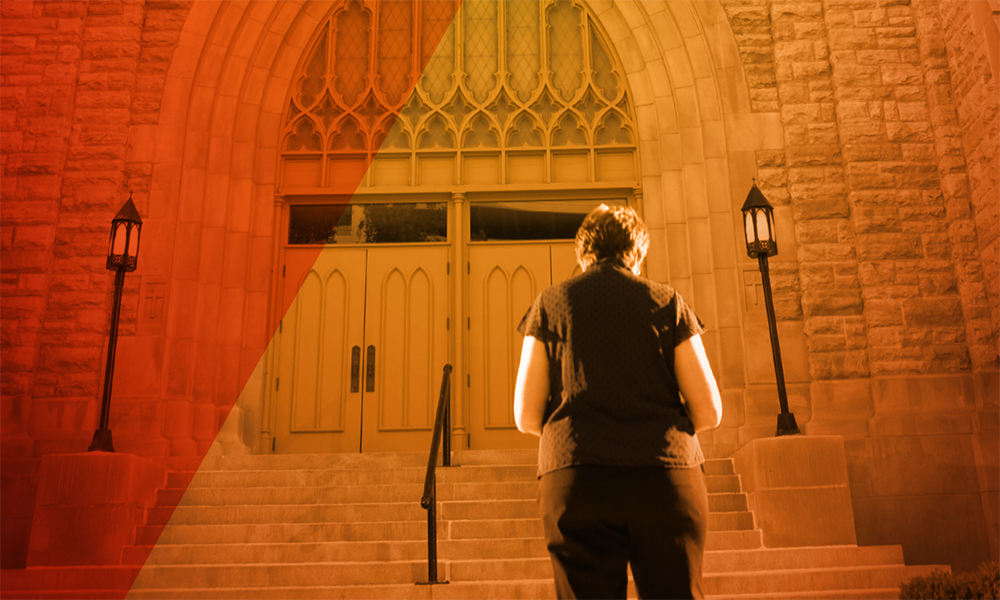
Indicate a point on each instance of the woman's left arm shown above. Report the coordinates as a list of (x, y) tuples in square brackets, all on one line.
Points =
[(531, 392)]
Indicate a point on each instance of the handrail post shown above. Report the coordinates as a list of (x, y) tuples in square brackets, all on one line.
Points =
[(447, 429), (432, 559), (429, 499)]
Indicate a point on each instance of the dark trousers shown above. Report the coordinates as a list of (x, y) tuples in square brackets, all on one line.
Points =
[(599, 519)]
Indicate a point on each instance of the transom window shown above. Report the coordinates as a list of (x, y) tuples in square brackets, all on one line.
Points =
[(409, 94)]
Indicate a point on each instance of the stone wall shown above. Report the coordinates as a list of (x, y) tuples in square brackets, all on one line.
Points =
[(969, 33), (893, 250), (75, 76)]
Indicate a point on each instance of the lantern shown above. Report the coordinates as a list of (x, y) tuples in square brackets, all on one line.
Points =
[(758, 224), (123, 250)]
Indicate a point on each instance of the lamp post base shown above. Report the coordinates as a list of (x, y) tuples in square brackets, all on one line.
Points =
[(786, 425), (101, 441)]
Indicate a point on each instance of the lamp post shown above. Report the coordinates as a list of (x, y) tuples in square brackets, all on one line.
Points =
[(758, 227), (123, 252)]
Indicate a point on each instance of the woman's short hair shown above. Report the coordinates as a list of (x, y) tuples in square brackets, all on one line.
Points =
[(612, 232)]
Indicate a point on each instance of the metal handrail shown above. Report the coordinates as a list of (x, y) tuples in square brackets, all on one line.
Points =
[(442, 429)]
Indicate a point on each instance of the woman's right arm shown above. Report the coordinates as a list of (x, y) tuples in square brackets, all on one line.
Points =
[(697, 384)]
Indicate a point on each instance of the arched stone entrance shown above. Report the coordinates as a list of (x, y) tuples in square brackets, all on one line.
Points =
[(228, 86), (513, 123)]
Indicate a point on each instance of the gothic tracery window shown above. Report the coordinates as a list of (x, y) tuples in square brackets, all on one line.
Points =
[(499, 80)]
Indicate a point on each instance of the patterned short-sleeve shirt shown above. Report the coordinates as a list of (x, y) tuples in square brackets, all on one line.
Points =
[(610, 339)]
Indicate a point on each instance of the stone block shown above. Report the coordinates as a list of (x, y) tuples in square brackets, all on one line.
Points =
[(139, 366), (952, 530), (758, 355), (88, 506), (932, 312), (205, 422), (845, 404), (839, 365), (818, 302), (761, 406), (919, 465), (18, 486), (798, 490), (732, 409), (61, 417), (923, 394), (986, 385), (907, 425)]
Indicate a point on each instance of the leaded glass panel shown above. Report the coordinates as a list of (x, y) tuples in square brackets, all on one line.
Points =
[(566, 48), (395, 48), (475, 76), (480, 22), (522, 47)]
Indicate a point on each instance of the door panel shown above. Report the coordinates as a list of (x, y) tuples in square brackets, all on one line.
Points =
[(406, 324), (503, 281), (317, 411), (564, 265)]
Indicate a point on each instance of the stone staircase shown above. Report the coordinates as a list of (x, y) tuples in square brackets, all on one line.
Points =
[(351, 526)]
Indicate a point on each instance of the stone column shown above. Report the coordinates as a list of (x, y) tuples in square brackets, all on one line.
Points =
[(459, 389), (267, 412)]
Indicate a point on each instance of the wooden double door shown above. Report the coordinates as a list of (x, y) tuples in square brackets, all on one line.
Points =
[(361, 349), (368, 331)]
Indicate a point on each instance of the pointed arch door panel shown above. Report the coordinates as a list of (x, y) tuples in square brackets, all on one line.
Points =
[(318, 401), (503, 281), (360, 349), (406, 323)]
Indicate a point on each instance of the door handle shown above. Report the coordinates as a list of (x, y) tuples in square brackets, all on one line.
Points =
[(355, 368), (370, 370)]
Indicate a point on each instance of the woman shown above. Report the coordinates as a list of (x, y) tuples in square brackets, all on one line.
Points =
[(607, 357)]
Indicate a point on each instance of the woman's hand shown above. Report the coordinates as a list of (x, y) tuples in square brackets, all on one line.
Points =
[(697, 384), (531, 392)]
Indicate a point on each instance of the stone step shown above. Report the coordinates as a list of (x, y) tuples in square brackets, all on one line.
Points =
[(289, 532), (283, 575), (858, 594), (796, 581), (411, 492), (375, 475), (487, 550), (790, 582), (730, 563), (727, 509), (68, 578), (381, 531), (344, 460), (493, 590), (181, 554), (398, 459), (342, 477)]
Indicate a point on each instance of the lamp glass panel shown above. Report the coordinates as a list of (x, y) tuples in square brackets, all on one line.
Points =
[(748, 221), (133, 243), (763, 226), (119, 239)]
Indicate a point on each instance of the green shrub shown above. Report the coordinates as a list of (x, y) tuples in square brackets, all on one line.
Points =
[(984, 582)]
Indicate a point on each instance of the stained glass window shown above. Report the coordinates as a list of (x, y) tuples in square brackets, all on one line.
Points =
[(491, 77)]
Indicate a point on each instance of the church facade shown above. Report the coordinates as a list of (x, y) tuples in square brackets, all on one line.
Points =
[(339, 198)]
